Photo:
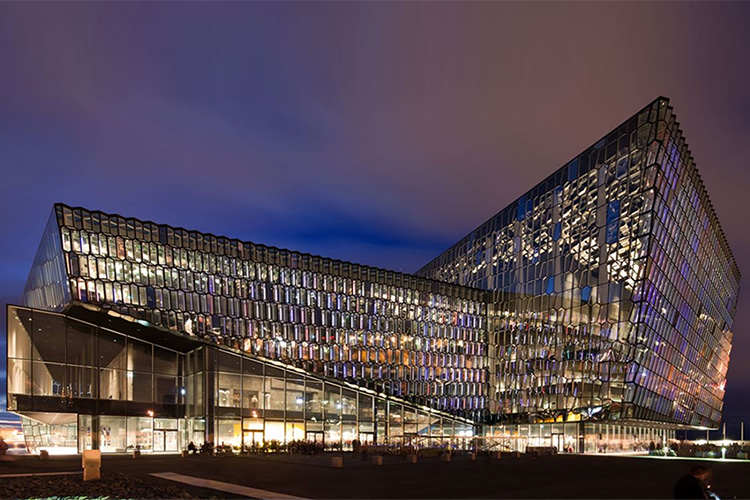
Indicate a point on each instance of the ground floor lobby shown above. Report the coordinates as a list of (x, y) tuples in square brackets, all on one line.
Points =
[(70, 433), (580, 437), (63, 433)]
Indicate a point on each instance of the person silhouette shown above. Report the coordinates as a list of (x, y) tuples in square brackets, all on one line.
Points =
[(695, 484)]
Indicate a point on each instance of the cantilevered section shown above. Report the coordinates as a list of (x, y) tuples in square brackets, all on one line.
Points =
[(47, 284), (615, 286), (403, 335)]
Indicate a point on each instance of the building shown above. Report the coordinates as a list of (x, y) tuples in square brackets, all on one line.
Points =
[(613, 290), (593, 314)]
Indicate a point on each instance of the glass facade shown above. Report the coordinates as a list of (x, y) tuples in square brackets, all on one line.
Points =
[(78, 385), (45, 286), (604, 296), (258, 402), (400, 334), (585, 437), (58, 362), (613, 286)]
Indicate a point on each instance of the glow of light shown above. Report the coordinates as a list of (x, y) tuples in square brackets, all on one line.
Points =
[(150, 413)]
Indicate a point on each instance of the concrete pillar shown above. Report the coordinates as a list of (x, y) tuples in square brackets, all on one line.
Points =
[(209, 392), (96, 432)]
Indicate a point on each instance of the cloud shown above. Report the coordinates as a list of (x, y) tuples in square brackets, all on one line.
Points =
[(378, 132)]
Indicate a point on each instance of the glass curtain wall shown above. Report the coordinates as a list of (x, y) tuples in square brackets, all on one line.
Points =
[(410, 337), (66, 363), (54, 433), (614, 287), (578, 437), (260, 403), (71, 370)]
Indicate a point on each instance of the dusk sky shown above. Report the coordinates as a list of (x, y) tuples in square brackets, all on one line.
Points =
[(378, 133)]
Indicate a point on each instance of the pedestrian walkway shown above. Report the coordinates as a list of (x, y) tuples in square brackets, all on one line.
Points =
[(234, 489), (30, 474)]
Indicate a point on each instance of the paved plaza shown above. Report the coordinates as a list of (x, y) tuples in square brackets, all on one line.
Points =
[(267, 476)]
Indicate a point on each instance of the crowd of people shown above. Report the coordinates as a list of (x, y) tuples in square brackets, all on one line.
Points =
[(207, 448)]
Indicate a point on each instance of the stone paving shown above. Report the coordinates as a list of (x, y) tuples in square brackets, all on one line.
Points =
[(112, 485), (563, 476)]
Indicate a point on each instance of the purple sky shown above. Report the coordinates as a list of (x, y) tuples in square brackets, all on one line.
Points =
[(379, 133)]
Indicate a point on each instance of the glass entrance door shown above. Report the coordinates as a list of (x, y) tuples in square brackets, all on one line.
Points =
[(165, 440), (252, 440), (558, 441), (315, 437), (158, 440), (170, 441)]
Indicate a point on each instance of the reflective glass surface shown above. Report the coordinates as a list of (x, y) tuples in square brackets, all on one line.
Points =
[(614, 289), (403, 335)]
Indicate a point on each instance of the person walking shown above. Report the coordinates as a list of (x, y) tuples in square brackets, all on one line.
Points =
[(3, 450), (694, 484)]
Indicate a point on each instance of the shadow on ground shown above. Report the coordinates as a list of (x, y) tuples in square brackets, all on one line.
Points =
[(564, 476)]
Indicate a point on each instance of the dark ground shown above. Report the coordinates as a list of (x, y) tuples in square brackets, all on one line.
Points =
[(563, 476), (112, 484)]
